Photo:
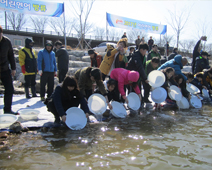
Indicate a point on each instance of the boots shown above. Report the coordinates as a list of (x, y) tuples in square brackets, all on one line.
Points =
[(33, 90), (27, 93)]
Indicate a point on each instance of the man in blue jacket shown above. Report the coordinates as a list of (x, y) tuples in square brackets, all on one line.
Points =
[(177, 64), (47, 69)]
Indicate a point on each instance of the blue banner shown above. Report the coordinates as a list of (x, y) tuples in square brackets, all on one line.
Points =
[(127, 23), (44, 8)]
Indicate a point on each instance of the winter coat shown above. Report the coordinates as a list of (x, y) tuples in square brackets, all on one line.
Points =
[(121, 75), (28, 61), (196, 54), (197, 83), (46, 61), (6, 55), (63, 103), (200, 64), (138, 63), (168, 82), (107, 62), (149, 67), (172, 55), (207, 81), (62, 59), (153, 54), (150, 42), (85, 83), (96, 61), (176, 64), (137, 42)]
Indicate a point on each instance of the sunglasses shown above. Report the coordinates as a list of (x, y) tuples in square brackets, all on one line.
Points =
[(48, 45)]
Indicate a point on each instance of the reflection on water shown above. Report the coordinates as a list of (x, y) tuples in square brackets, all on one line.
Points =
[(152, 140)]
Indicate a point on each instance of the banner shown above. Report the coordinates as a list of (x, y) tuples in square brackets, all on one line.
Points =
[(33, 7), (127, 23)]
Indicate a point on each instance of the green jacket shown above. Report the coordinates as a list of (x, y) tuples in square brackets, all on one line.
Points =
[(85, 83), (153, 54), (149, 67)]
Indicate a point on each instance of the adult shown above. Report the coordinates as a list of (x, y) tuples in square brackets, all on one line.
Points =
[(201, 62), (167, 48), (153, 53), (173, 54), (28, 63), (177, 64), (150, 43), (138, 63), (64, 97), (62, 60), (142, 40), (96, 59), (113, 57), (47, 69), (6, 58), (137, 42), (196, 51), (124, 35)]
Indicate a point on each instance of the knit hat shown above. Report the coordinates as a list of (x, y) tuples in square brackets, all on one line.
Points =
[(49, 42), (28, 41), (91, 51), (124, 40), (133, 76), (204, 53)]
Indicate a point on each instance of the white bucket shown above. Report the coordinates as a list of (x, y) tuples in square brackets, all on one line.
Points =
[(183, 103), (156, 78), (118, 110), (29, 114), (7, 119), (192, 88), (175, 93), (134, 101), (159, 95)]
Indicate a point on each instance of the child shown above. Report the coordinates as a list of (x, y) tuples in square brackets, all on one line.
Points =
[(197, 81), (125, 77), (65, 96)]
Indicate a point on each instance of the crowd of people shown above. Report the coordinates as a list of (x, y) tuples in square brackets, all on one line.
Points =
[(113, 74)]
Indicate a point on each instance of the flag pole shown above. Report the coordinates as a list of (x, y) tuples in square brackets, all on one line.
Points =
[(64, 25)]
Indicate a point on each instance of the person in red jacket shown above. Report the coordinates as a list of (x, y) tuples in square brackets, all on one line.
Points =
[(96, 59), (126, 77)]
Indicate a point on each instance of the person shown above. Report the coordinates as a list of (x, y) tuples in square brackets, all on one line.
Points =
[(64, 97), (62, 60), (163, 60), (182, 85), (28, 63), (167, 48), (201, 62), (189, 76), (113, 57), (150, 43), (196, 51), (173, 54), (125, 35), (126, 77), (138, 63), (47, 69), (142, 40), (86, 77), (96, 59), (137, 42), (197, 81), (153, 53), (177, 64), (207, 79), (152, 65), (6, 58), (132, 50)]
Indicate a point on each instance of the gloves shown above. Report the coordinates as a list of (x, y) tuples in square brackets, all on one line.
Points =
[(23, 69), (40, 72)]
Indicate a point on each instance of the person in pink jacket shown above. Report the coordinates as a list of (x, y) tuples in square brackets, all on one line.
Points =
[(125, 77)]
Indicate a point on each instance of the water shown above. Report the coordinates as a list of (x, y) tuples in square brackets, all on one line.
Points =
[(169, 140)]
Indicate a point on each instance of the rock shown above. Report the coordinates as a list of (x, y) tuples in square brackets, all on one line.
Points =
[(3, 135), (20, 78), (72, 57), (18, 71), (86, 59), (17, 127), (71, 71), (76, 53), (79, 64)]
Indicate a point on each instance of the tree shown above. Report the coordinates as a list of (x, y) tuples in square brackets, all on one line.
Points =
[(82, 9), (39, 23), (187, 45), (166, 38), (57, 24), (114, 34), (16, 20), (178, 20), (99, 33), (133, 35)]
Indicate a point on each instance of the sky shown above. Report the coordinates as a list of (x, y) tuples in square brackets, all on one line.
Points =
[(154, 11)]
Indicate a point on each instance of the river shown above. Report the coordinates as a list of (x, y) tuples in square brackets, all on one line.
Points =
[(170, 139)]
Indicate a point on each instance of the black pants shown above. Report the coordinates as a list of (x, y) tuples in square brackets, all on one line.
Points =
[(6, 79), (29, 80), (62, 75), (103, 77), (88, 93), (147, 88), (47, 78)]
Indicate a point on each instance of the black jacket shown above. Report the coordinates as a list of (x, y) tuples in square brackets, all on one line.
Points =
[(200, 64), (172, 55), (138, 63), (195, 54), (63, 59), (6, 55)]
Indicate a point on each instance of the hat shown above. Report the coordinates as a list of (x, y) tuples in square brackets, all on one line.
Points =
[(133, 76), (48, 42), (28, 41), (91, 51), (204, 53), (124, 40)]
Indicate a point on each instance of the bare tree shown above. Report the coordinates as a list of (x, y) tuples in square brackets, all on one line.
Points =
[(166, 38), (82, 9), (114, 34), (39, 23), (16, 20), (133, 35), (99, 33), (57, 24), (187, 45), (178, 20)]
